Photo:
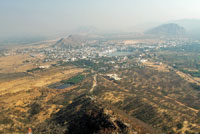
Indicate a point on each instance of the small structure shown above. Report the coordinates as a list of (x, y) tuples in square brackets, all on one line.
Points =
[(114, 76), (43, 67)]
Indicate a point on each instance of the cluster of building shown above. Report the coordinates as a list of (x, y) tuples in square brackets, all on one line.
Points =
[(96, 49)]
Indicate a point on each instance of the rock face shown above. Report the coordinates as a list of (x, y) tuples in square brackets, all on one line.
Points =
[(170, 29)]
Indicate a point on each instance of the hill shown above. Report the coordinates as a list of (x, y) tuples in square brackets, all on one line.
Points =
[(170, 29), (191, 25), (88, 115), (76, 40), (71, 41)]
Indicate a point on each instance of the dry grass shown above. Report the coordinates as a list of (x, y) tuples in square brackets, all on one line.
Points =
[(159, 67), (38, 79), (16, 63), (188, 77)]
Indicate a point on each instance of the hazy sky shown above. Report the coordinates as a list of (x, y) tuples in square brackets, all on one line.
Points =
[(18, 17)]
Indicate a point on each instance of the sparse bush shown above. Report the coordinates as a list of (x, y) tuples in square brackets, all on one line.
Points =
[(179, 125), (195, 86), (34, 109), (6, 121)]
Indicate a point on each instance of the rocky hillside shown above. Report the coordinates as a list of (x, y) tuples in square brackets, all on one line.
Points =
[(87, 115)]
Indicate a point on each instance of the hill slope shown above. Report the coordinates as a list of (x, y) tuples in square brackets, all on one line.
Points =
[(191, 25), (87, 115), (71, 41), (170, 29)]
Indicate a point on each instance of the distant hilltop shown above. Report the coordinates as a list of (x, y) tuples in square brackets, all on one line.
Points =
[(76, 40), (71, 40), (170, 29)]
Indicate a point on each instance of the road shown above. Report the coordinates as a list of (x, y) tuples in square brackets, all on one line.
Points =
[(94, 83)]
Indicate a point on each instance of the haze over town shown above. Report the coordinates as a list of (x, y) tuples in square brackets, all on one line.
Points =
[(24, 18)]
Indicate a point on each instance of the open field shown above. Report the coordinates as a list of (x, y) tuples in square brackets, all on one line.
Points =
[(24, 95), (20, 63), (39, 79)]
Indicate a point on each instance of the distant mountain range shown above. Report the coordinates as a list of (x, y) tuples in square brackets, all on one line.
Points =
[(184, 27), (170, 29)]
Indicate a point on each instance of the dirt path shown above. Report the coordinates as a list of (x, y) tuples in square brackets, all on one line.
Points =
[(187, 77), (94, 83), (195, 110), (166, 68)]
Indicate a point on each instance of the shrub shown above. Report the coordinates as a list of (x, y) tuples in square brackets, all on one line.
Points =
[(179, 125)]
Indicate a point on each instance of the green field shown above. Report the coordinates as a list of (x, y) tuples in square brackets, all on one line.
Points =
[(74, 80)]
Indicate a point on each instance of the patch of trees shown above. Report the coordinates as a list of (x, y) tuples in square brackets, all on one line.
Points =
[(74, 80), (34, 109), (34, 69), (195, 86)]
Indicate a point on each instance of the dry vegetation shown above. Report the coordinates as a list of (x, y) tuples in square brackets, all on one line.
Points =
[(157, 66), (25, 99), (148, 93), (162, 99), (38, 79), (15, 63)]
